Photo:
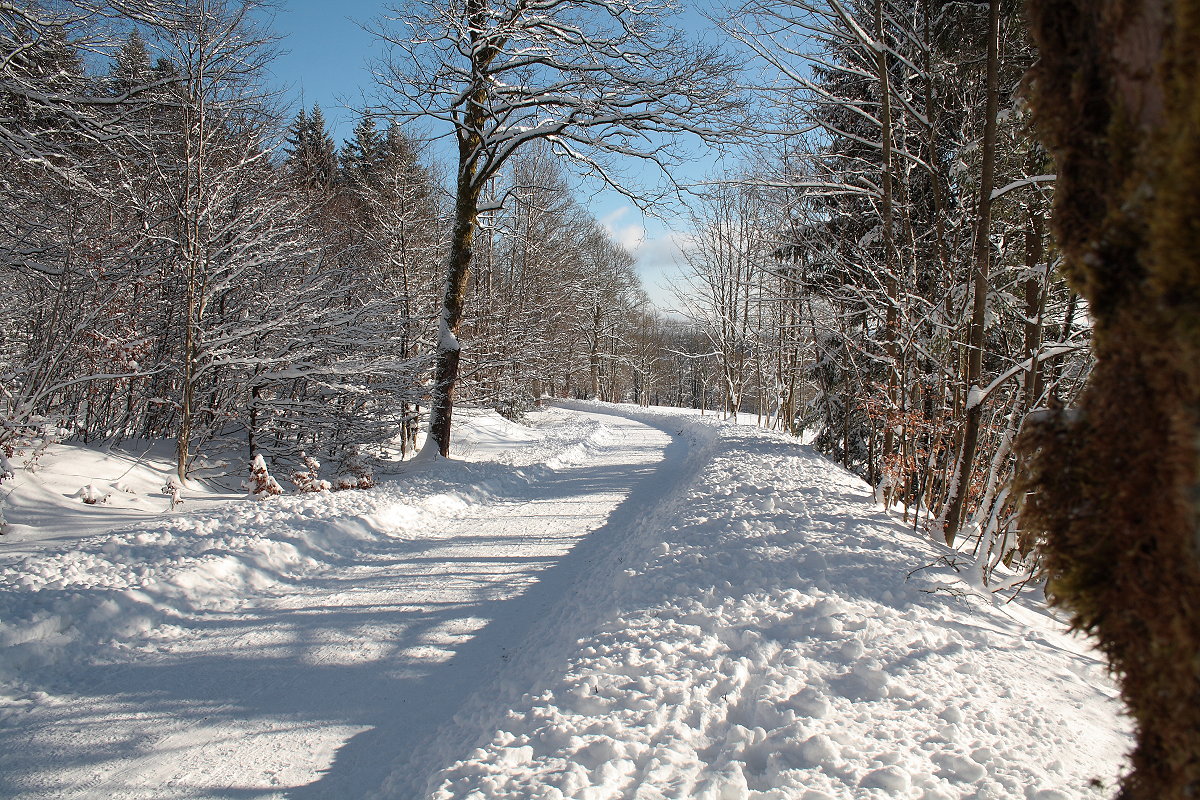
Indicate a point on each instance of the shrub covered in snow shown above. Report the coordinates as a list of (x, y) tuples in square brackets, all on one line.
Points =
[(307, 479), (91, 495), (7, 471), (356, 473), (261, 484), (174, 492)]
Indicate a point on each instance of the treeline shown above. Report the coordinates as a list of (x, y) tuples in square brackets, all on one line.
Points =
[(179, 261), (883, 275)]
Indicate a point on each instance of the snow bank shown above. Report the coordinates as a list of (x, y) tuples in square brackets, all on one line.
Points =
[(125, 590), (77, 490), (763, 642)]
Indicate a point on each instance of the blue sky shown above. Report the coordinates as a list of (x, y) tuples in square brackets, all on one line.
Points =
[(325, 55), (325, 61)]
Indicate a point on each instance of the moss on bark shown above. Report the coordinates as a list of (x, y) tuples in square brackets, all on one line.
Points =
[(1114, 485)]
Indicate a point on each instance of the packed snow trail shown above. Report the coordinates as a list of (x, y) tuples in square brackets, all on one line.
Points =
[(617, 604), (768, 643), (365, 622)]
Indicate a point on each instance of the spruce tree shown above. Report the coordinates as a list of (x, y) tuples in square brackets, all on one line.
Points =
[(362, 153), (297, 146), (311, 159), (323, 167), (131, 65)]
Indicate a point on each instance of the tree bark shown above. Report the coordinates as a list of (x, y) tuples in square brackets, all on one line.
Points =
[(1035, 300), (466, 217), (889, 246), (469, 186), (193, 202), (1114, 486)]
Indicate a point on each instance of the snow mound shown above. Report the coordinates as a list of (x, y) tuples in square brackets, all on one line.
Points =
[(77, 490), (124, 590)]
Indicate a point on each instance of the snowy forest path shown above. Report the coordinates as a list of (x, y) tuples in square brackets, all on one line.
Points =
[(330, 688)]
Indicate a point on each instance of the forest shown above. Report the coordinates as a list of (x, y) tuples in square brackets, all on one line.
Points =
[(883, 274), (184, 262)]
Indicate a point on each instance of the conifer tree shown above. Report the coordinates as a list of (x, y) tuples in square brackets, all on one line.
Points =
[(311, 158), (361, 154), (131, 64), (322, 169)]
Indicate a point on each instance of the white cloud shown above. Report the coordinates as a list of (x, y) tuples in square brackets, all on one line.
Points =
[(629, 235), (659, 262), (657, 251), (610, 220)]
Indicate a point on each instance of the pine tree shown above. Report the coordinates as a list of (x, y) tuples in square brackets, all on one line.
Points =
[(298, 147), (323, 167), (311, 159)]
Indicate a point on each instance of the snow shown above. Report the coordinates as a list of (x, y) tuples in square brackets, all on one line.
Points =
[(47, 503), (609, 602), (447, 341), (975, 396)]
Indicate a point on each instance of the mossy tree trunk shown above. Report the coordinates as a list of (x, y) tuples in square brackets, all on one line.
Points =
[(1113, 485)]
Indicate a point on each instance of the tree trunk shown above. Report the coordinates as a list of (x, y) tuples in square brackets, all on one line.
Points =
[(252, 423), (594, 355), (1114, 487), (959, 484), (889, 248), (466, 215), (1035, 300), (186, 401), (468, 188), (193, 203)]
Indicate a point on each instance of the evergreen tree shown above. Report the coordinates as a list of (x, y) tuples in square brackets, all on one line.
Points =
[(323, 168), (311, 158), (297, 146), (131, 65), (362, 154)]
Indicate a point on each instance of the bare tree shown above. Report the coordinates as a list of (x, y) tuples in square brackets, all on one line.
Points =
[(605, 295), (727, 260), (600, 80), (217, 120)]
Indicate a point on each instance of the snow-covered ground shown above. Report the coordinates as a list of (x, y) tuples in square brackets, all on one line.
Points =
[(608, 603), (75, 491)]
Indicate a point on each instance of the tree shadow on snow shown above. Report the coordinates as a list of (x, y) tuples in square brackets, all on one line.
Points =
[(308, 676)]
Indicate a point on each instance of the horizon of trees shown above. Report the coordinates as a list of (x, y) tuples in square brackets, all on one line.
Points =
[(240, 283), (181, 262), (193, 267)]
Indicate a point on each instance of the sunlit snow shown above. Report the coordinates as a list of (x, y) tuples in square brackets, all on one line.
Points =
[(605, 603)]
